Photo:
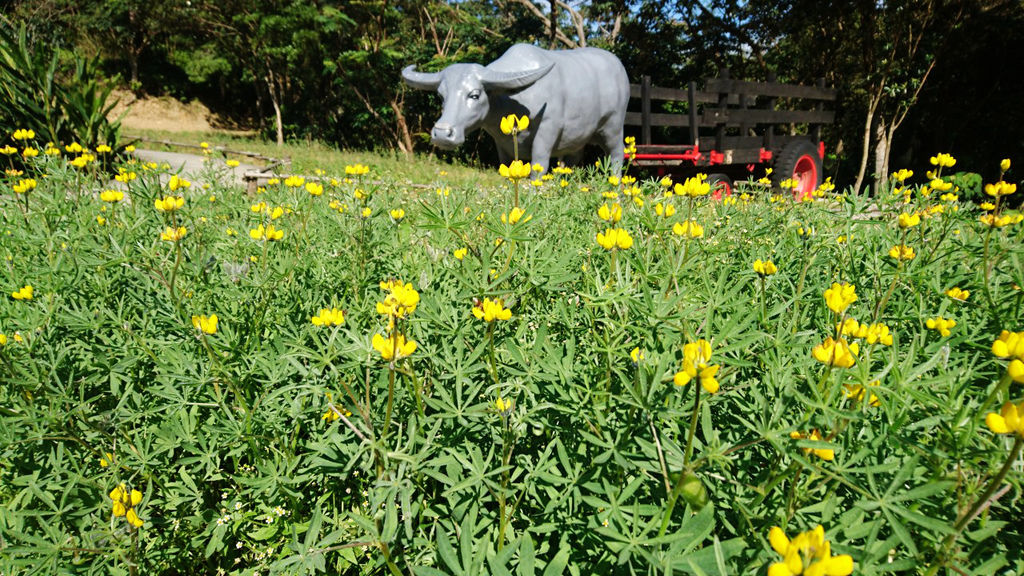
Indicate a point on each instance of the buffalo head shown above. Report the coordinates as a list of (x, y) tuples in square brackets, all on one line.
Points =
[(464, 89)]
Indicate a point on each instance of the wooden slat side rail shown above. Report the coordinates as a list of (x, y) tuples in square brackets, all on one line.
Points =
[(731, 117), (678, 95), (714, 118), (770, 89)]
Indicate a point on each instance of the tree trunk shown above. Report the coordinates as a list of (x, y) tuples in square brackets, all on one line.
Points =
[(869, 121), (881, 154), (402, 128)]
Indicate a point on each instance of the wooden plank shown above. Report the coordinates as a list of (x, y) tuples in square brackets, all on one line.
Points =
[(731, 117), (645, 109), (677, 120), (678, 95), (769, 89)]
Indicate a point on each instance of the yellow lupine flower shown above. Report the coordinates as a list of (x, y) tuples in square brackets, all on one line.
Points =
[(1011, 345), (857, 392), (1000, 189), (942, 160), (958, 294), (294, 181), (460, 253), (696, 358), (611, 213), (808, 554), (30, 152), (836, 353), (314, 188), (176, 182), (940, 324), (24, 293), (636, 355), (171, 234), (902, 252), (615, 238), (394, 347), (515, 215), (8, 150), (397, 214), (765, 268), (169, 203), (25, 185), (400, 301), (126, 177), (1004, 165), (106, 460), (693, 187), (516, 170), (909, 220), (688, 229), (124, 503), (840, 296), (111, 195), (205, 324), (27, 134), (665, 210), (826, 454), (356, 169), (329, 317), (1009, 420), (511, 124), (1000, 221), (269, 233), (490, 310)]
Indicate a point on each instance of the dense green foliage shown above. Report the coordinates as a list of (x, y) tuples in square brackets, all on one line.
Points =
[(60, 102), (562, 440)]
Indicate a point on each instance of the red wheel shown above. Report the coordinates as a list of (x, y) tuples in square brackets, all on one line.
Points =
[(721, 186), (799, 161)]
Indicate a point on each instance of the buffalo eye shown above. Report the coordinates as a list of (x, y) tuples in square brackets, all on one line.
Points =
[(474, 95)]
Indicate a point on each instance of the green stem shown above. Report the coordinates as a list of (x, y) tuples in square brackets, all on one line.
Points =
[(693, 422)]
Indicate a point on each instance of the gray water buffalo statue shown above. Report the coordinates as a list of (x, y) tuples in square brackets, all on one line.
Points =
[(573, 98)]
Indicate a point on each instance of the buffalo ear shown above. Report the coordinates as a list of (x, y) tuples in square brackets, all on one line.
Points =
[(493, 79), (421, 80)]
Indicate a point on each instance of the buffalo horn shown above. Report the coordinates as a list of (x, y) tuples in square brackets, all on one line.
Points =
[(421, 80), (512, 80)]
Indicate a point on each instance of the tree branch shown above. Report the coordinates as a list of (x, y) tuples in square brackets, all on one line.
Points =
[(533, 9)]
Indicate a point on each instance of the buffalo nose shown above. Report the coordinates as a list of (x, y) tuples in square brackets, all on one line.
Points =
[(443, 131)]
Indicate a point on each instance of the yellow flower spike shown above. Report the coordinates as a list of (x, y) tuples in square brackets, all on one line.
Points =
[(1000, 189), (636, 355), (693, 187), (205, 324), (24, 186), (124, 503), (171, 234), (24, 293), (807, 554), (111, 196), (515, 171), (765, 268), (176, 183), (30, 152), (909, 220), (315, 188), (1009, 420), (902, 252), (169, 203), (958, 294), (295, 181), (614, 238), (940, 325), (329, 317), (365, 212), (696, 358), (612, 213), (515, 215), (502, 405), (840, 296), (394, 347), (490, 310), (688, 229), (839, 353), (27, 134), (942, 160), (666, 211)]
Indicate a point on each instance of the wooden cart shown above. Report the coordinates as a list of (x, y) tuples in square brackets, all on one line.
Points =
[(733, 130)]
